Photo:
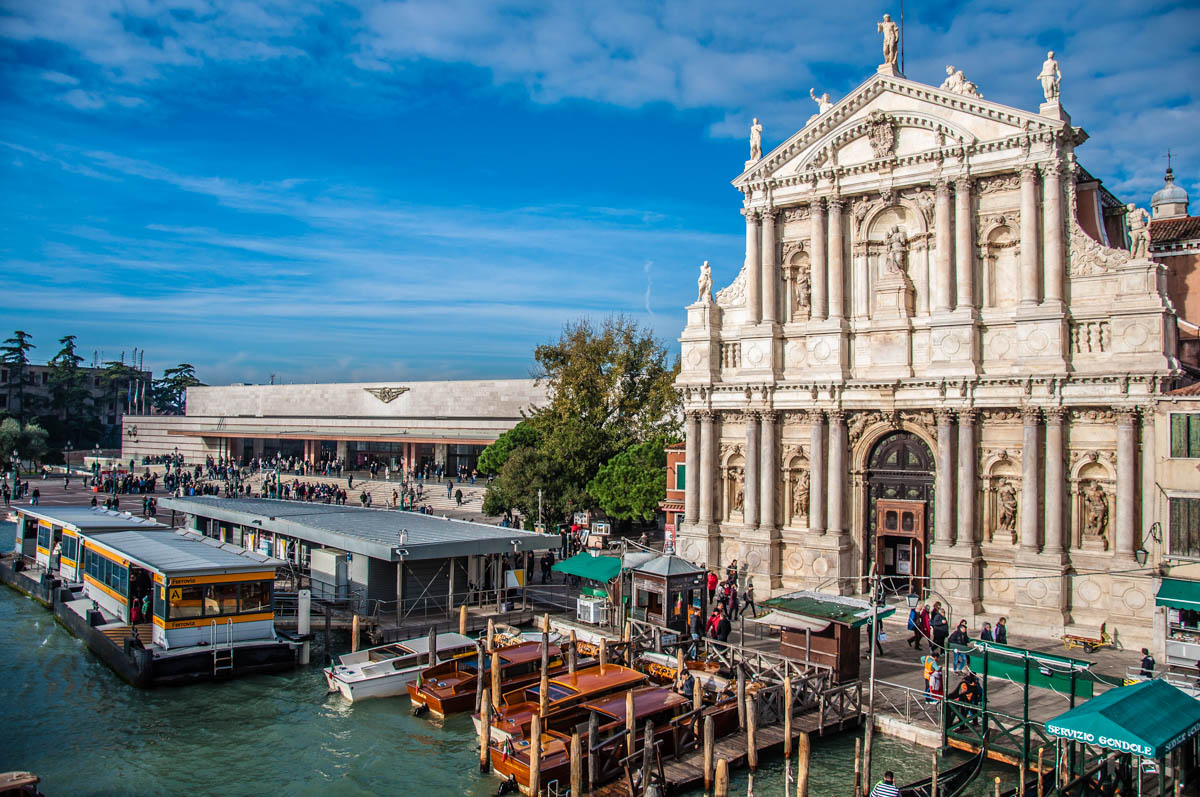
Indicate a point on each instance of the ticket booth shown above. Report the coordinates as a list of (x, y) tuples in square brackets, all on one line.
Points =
[(667, 590)]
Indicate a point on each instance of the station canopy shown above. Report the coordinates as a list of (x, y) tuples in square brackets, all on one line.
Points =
[(598, 568), (1148, 719)]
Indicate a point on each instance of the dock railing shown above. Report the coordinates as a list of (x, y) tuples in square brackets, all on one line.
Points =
[(908, 703)]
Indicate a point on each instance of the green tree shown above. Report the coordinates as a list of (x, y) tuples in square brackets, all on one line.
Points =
[(29, 441), (170, 391), (631, 485), (15, 354), (611, 387), (492, 458), (69, 394)]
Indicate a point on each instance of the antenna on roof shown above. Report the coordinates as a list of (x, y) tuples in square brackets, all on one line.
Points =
[(902, 36)]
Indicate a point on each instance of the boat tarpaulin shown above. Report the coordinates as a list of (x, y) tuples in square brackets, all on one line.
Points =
[(1178, 594), (584, 565), (1148, 719), (793, 622)]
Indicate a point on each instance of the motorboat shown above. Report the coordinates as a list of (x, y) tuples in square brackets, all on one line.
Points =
[(386, 670), (452, 686)]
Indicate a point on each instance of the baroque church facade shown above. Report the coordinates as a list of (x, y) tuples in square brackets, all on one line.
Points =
[(937, 363)]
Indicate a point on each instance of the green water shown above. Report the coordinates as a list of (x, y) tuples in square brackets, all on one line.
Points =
[(67, 717)]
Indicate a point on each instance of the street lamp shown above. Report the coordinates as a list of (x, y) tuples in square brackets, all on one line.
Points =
[(68, 458)]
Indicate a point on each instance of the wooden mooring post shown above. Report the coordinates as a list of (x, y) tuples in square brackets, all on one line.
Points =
[(576, 763), (485, 730), (573, 653), (432, 644), (857, 767), (787, 722), (630, 725), (647, 756), (741, 697), (462, 619), (933, 784), (803, 750), (478, 673), (1041, 786), (751, 733), (495, 679), (535, 754), (354, 634), (721, 782), (710, 738), (593, 738)]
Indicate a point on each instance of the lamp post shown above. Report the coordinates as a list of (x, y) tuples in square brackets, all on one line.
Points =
[(16, 467), (68, 450)]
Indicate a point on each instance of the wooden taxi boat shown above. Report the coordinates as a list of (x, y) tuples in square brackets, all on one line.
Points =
[(566, 696), (451, 687), (676, 728)]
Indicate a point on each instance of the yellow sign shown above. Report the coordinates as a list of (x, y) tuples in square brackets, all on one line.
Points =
[(176, 594)]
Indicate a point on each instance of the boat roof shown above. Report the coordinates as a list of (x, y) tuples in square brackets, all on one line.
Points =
[(526, 651), (444, 642), (591, 679), (185, 553), (90, 518), (388, 534), (647, 701)]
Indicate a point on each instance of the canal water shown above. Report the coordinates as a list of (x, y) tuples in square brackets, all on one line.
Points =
[(67, 717)]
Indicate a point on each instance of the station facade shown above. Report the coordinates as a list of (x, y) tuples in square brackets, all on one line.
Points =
[(398, 424), (939, 362)]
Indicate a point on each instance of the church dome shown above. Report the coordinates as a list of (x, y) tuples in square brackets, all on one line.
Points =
[(1170, 200)]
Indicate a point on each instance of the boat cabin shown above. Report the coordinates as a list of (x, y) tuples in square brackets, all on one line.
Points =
[(566, 695), (821, 629), (667, 590)]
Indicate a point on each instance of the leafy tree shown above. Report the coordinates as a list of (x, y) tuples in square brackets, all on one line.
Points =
[(69, 394), (492, 458), (611, 387), (29, 440), (170, 391), (118, 379), (631, 485), (15, 354)]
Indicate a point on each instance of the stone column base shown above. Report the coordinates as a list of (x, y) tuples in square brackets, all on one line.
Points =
[(760, 553), (821, 561), (1131, 619), (1040, 592), (956, 571), (700, 543)]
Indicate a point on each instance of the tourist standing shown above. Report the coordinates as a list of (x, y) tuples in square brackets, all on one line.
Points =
[(959, 637), (712, 576), (1147, 664), (1002, 631), (914, 625), (939, 627), (985, 635)]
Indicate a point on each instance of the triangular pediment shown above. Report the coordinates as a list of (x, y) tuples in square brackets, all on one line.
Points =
[(896, 119)]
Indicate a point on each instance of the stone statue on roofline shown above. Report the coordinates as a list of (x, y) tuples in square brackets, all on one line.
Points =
[(1139, 232), (756, 131), (823, 102), (891, 39), (957, 82), (1050, 77), (704, 283)]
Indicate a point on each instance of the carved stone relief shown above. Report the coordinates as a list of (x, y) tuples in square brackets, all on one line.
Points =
[(734, 294), (882, 134), (997, 183), (1089, 257)]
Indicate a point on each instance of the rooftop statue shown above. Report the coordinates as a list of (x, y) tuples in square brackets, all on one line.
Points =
[(823, 102), (891, 39), (704, 283), (957, 82), (1050, 77), (1139, 233), (755, 140)]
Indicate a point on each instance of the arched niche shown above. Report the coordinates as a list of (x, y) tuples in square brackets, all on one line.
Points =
[(797, 272), (1093, 482), (1001, 482), (797, 483), (1001, 265), (733, 486)]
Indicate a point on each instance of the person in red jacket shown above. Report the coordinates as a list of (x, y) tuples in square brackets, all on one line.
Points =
[(713, 620), (712, 586)]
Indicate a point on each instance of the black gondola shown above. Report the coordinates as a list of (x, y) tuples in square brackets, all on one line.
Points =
[(1031, 786), (952, 782)]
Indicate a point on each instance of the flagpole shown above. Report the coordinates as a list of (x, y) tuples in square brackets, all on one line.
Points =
[(902, 36)]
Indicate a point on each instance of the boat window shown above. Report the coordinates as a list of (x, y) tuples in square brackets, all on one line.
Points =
[(186, 602), (555, 692), (256, 596), (43, 539), (222, 599), (405, 662), (452, 653), (160, 601)]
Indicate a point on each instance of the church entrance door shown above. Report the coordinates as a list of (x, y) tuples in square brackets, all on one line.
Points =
[(900, 496)]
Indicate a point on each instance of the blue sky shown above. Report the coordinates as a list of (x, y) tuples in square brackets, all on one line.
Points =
[(428, 189)]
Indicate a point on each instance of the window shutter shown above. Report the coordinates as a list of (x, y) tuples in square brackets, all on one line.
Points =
[(680, 477), (1193, 445), (1179, 434)]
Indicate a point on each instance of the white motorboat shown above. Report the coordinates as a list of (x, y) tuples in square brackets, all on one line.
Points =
[(385, 671)]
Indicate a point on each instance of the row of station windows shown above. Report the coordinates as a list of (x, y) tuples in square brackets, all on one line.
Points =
[(215, 600), (107, 572)]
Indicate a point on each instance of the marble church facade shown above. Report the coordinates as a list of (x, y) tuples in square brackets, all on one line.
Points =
[(939, 358)]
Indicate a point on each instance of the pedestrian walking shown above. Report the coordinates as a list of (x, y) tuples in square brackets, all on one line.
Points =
[(985, 634), (959, 637), (748, 599), (914, 625), (1002, 631), (923, 623), (1147, 664), (712, 576)]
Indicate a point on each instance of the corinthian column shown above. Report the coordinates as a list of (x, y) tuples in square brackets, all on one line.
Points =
[(1126, 484), (837, 261), (964, 249), (943, 519), (966, 477), (1029, 237), (1055, 482), (691, 475), (1052, 232), (750, 507), (1029, 480), (770, 267), (708, 466), (768, 474), (753, 266), (943, 264), (816, 474), (837, 472), (819, 298)]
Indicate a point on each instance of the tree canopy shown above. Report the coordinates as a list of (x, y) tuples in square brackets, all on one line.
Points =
[(14, 353), (611, 388), (171, 389), (631, 485)]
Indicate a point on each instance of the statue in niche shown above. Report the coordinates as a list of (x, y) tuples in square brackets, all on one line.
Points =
[(756, 131), (1095, 513), (897, 251), (1050, 77), (704, 283), (739, 489), (822, 101), (1139, 232), (891, 39), (1006, 497), (803, 284), (800, 495)]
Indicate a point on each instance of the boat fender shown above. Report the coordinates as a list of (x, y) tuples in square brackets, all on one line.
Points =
[(507, 787), (420, 710), (94, 618)]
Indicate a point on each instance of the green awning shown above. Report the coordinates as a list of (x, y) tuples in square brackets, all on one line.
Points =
[(1149, 719), (1178, 594), (597, 568)]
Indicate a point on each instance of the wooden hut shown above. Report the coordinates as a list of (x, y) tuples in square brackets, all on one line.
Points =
[(820, 628)]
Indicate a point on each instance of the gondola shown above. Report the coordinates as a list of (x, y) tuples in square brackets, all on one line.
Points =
[(952, 782), (1031, 786)]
